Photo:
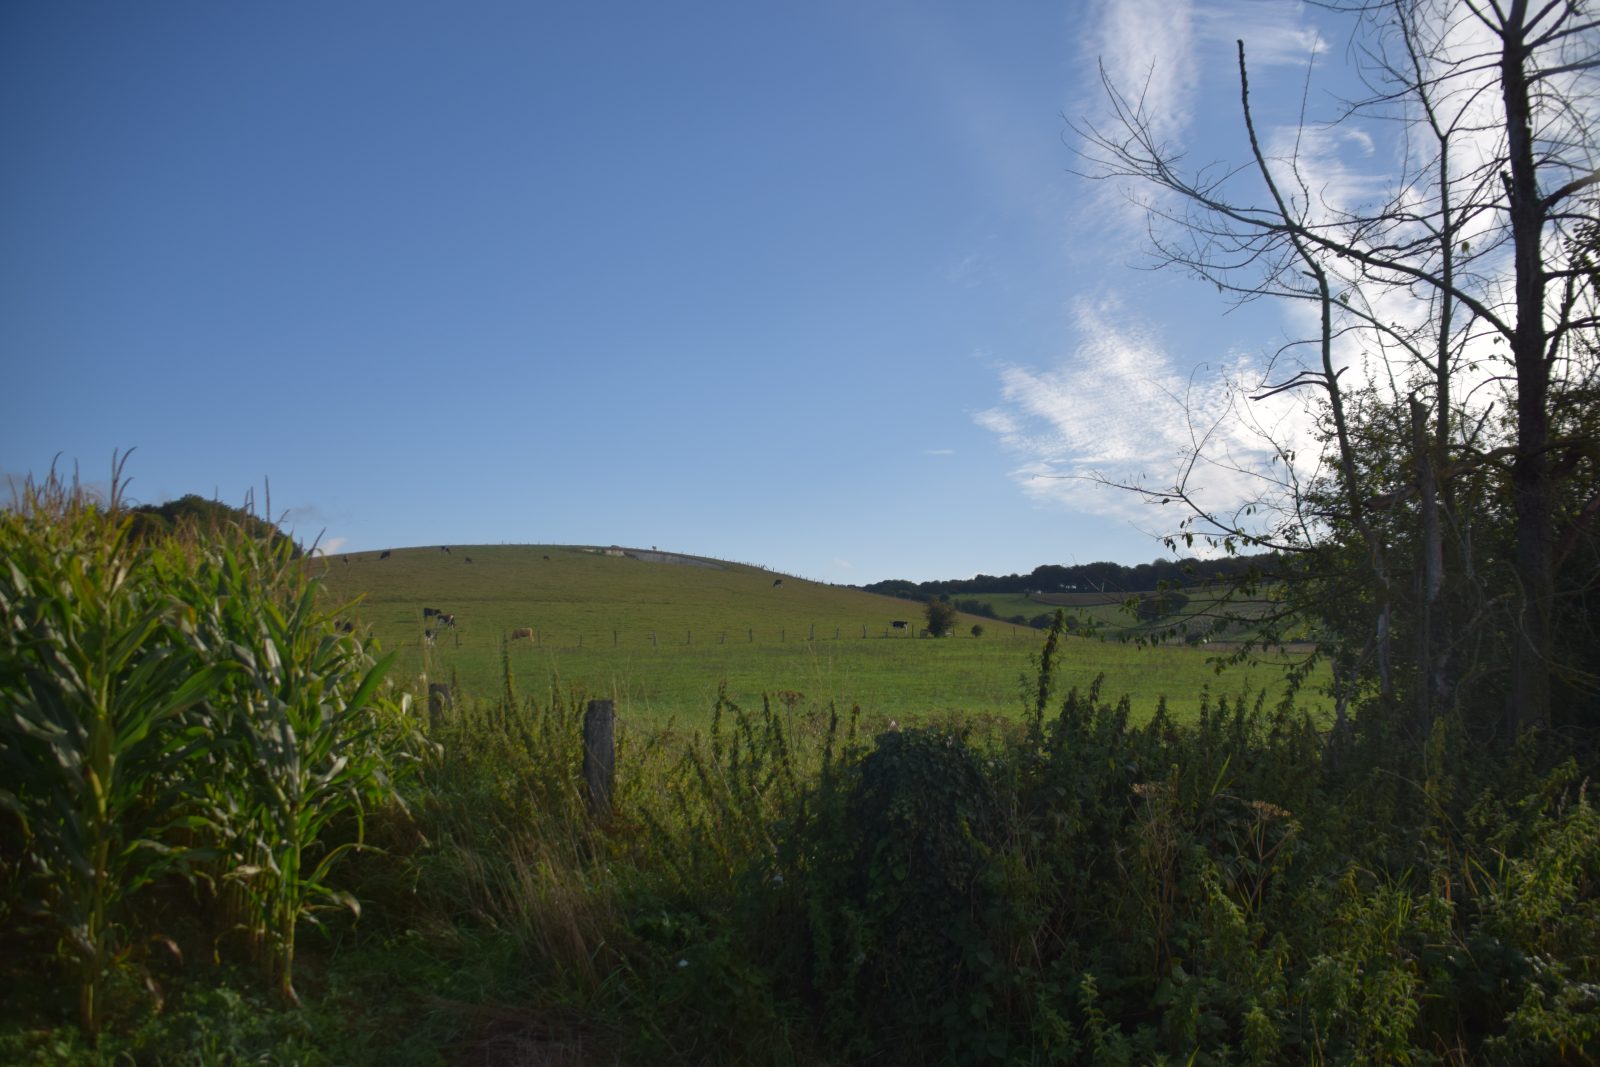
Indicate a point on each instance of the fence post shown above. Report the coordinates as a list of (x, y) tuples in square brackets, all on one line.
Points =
[(439, 701), (599, 756)]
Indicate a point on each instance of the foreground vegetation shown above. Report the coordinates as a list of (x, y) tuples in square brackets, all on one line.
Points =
[(226, 841)]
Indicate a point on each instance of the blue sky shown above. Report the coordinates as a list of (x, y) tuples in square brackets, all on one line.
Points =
[(804, 285)]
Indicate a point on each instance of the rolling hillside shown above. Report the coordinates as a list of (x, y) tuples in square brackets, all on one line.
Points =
[(661, 631)]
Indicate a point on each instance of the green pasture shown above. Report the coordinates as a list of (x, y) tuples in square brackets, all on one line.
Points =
[(660, 633), (1109, 616)]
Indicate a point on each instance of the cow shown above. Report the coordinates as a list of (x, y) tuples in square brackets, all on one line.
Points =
[(428, 613), (447, 620), (547, 557), (346, 560), (444, 548), (427, 635), (345, 626), (384, 555), (777, 582), (521, 632), (467, 558), (900, 624)]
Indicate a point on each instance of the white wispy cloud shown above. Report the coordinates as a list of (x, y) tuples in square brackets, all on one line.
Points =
[(1147, 50), (1275, 33), (1118, 409), (938, 451), (1166, 59), (329, 546)]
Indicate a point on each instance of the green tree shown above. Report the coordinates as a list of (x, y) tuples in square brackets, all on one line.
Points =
[(1428, 536), (941, 617)]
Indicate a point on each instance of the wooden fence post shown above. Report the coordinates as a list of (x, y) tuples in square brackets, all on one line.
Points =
[(599, 756), (439, 701)]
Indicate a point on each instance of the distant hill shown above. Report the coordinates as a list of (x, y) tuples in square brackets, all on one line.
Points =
[(663, 631)]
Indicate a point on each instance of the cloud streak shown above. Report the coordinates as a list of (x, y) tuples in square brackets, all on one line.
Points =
[(1118, 410)]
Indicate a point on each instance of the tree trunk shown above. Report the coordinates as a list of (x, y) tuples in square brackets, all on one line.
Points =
[(1530, 482)]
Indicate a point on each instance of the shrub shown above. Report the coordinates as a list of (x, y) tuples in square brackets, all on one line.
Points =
[(941, 616)]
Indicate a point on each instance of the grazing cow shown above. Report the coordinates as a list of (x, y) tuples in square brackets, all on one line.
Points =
[(444, 548), (447, 620), (384, 555), (427, 635), (777, 582), (467, 558), (428, 613), (900, 624), (547, 557), (346, 560), (521, 632)]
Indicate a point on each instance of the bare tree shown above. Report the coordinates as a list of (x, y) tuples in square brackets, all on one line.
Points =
[(1461, 290)]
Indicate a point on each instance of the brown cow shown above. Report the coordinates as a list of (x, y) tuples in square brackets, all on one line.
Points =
[(525, 631)]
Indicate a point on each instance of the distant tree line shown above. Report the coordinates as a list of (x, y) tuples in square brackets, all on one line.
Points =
[(1079, 578), (210, 516)]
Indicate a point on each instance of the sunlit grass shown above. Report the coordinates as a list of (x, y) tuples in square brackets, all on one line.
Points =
[(661, 638)]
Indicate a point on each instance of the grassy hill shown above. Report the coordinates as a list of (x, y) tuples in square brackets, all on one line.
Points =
[(660, 632)]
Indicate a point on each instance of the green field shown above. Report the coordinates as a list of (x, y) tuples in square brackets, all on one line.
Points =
[(660, 632), (1109, 616)]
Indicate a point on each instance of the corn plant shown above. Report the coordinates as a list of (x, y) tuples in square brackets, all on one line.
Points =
[(304, 741), (94, 681)]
